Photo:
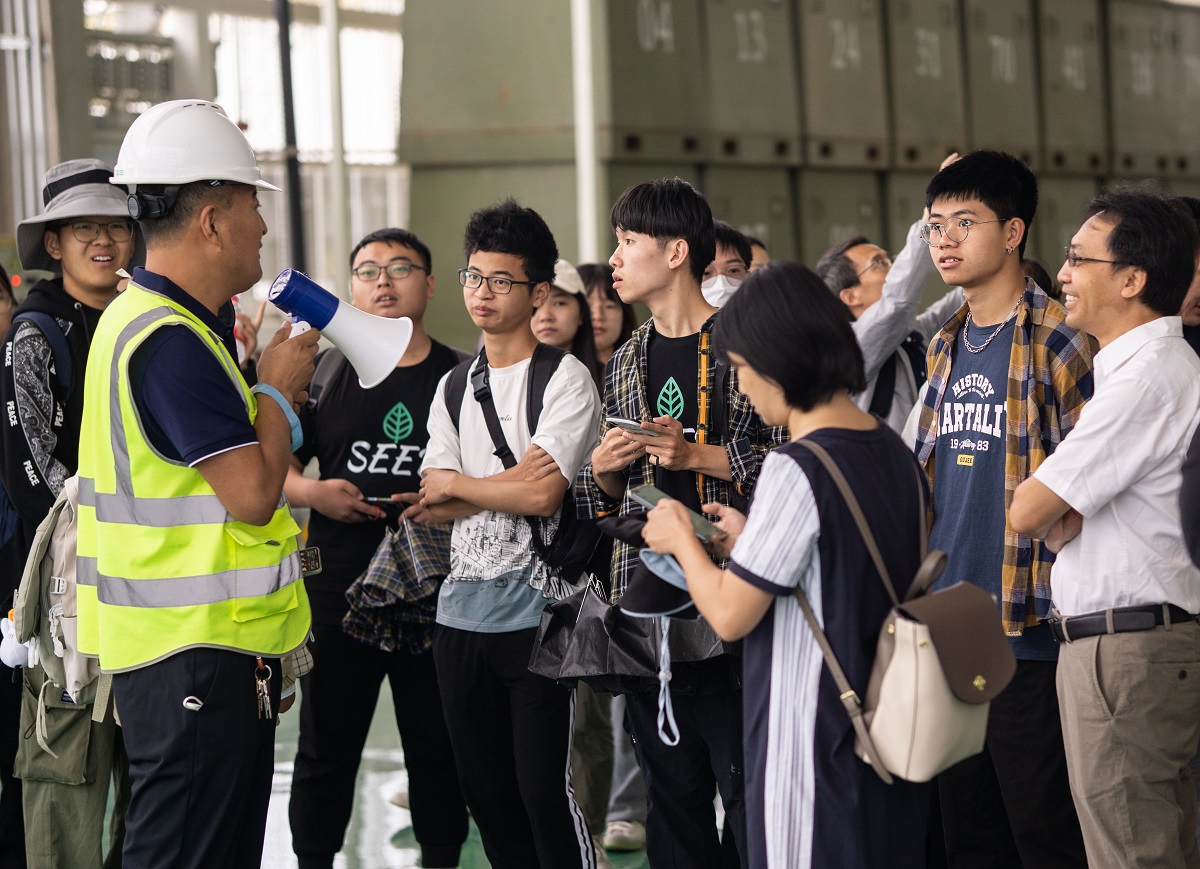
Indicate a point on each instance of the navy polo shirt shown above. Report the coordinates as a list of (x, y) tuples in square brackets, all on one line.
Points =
[(190, 409)]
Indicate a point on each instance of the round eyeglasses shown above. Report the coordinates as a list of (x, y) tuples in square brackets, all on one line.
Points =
[(87, 231), (953, 230)]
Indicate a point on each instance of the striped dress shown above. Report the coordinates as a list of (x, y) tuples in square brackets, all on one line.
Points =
[(810, 801)]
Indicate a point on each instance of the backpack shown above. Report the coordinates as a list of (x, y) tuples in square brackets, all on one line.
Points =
[(570, 550), (45, 609), (60, 350), (940, 660)]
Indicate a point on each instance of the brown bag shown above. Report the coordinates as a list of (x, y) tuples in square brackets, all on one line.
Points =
[(942, 656)]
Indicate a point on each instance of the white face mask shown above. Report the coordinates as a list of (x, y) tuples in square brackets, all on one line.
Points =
[(717, 291)]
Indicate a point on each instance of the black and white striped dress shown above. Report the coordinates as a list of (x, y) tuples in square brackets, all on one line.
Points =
[(810, 801)]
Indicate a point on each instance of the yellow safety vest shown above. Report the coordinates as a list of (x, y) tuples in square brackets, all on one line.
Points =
[(162, 566)]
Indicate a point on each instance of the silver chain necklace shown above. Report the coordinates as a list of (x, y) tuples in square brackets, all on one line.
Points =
[(998, 330)]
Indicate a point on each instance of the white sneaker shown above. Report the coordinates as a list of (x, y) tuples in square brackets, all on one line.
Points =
[(625, 836), (602, 861)]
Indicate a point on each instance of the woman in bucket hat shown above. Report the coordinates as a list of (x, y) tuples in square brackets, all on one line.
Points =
[(84, 237)]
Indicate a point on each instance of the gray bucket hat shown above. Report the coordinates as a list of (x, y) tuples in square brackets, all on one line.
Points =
[(77, 188)]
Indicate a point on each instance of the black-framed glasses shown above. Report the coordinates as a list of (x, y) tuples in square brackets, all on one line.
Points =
[(1074, 259), (500, 286), (879, 261), (397, 271), (953, 230), (87, 231)]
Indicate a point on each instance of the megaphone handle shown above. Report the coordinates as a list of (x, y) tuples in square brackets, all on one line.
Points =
[(299, 327)]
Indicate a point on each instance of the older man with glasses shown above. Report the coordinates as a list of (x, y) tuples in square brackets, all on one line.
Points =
[(83, 237), (882, 296)]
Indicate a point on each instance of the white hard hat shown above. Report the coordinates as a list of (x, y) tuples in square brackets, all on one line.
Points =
[(182, 141)]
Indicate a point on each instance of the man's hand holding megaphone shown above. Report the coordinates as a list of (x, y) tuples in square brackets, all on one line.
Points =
[(287, 363)]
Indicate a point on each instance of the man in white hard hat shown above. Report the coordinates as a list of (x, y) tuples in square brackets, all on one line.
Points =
[(190, 587)]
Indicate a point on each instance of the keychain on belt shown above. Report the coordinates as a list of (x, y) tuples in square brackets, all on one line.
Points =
[(262, 688)]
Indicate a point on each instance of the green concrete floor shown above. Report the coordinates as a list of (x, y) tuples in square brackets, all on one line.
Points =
[(380, 834)]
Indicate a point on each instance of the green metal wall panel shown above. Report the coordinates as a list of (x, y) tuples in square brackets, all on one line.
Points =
[(757, 201), (1187, 152), (486, 82), (753, 94), (1143, 62), (1061, 203), (843, 91), (834, 206), (649, 65), (926, 72), (1074, 115), (905, 199), (1002, 95)]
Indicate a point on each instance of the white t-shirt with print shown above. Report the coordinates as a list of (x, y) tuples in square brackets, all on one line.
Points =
[(497, 546)]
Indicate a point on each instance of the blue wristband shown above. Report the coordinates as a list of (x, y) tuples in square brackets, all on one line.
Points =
[(286, 407)]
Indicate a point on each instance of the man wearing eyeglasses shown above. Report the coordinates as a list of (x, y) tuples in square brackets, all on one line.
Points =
[(369, 445), (1108, 501), (510, 728), (1007, 380), (83, 236), (882, 297)]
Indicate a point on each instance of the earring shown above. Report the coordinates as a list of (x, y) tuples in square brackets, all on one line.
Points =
[(1008, 250)]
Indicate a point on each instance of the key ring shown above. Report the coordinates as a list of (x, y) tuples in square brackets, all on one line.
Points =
[(259, 670)]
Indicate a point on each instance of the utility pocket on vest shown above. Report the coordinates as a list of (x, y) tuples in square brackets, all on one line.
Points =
[(68, 733), (263, 585)]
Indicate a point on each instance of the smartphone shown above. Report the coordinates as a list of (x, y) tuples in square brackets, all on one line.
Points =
[(383, 502), (632, 426), (650, 495)]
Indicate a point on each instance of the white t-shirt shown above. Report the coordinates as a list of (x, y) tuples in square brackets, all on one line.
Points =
[(1120, 468), (491, 546)]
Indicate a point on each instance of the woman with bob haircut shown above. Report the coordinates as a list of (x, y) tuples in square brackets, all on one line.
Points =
[(810, 802)]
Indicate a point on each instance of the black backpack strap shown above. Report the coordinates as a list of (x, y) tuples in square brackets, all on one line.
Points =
[(885, 388), (482, 390), (542, 366), (456, 389), (329, 364), (59, 348)]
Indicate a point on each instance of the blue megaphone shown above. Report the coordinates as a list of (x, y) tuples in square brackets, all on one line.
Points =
[(374, 345)]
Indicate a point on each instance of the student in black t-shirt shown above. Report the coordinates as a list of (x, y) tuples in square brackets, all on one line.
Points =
[(369, 443), (701, 437)]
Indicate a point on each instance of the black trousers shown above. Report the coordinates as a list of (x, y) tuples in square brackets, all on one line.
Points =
[(511, 732), (12, 821), (337, 704), (1011, 805), (201, 780), (682, 780)]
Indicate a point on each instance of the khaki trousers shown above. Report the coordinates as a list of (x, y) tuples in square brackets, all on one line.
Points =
[(1130, 707)]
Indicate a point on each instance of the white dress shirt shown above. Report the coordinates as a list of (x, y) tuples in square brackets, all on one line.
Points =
[(1120, 468)]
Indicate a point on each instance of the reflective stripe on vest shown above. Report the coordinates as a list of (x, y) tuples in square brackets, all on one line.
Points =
[(162, 565)]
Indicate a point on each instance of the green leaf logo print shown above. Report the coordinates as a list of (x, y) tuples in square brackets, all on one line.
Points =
[(398, 424), (670, 400)]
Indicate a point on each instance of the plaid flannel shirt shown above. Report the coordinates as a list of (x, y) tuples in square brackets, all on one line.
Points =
[(732, 424), (1049, 380), (394, 603)]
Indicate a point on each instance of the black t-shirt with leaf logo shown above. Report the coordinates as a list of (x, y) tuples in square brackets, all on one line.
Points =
[(672, 388), (375, 438)]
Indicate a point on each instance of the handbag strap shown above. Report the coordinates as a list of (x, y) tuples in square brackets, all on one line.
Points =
[(849, 697), (851, 702)]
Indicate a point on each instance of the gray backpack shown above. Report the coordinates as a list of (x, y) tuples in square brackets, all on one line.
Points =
[(45, 608)]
